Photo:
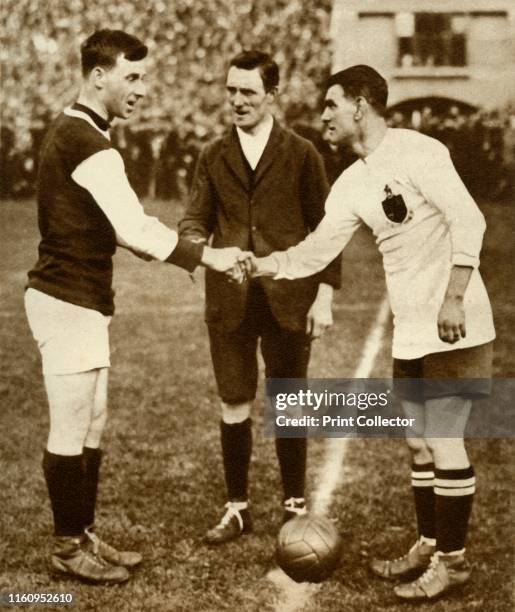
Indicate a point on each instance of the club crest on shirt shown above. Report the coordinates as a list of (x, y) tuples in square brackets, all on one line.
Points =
[(395, 208)]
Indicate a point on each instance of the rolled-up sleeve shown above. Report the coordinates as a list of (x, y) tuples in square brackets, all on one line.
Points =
[(103, 175), (441, 185)]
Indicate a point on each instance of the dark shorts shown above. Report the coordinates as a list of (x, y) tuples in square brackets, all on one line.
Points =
[(462, 372), (234, 353)]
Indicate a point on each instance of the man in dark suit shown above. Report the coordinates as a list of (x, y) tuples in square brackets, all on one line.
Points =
[(262, 188)]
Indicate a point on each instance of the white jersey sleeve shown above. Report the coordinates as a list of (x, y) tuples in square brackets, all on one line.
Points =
[(322, 245), (103, 175), (434, 174)]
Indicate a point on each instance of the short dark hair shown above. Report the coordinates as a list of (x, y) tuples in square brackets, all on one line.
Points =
[(104, 46), (268, 69), (363, 81)]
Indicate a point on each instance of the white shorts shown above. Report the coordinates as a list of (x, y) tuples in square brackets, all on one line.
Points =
[(71, 338)]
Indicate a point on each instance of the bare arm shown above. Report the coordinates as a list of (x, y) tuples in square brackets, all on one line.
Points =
[(320, 314), (451, 318)]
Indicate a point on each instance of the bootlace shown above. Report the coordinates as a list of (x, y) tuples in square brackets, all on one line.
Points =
[(429, 574), (297, 505), (95, 554), (233, 509), (95, 558), (417, 544), (94, 539)]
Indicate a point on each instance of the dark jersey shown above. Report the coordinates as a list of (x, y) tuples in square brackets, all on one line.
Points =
[(77, 240)]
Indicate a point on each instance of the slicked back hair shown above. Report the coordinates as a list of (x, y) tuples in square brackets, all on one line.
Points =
[(268, 69), (362, 80), (104, 46)]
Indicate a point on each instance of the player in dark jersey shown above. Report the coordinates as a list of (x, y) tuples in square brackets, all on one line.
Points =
[(86, 208)]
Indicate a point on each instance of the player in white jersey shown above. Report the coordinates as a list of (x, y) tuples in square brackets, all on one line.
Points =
[(429, 232)]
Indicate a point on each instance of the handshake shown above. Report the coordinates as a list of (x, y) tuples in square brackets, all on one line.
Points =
[(238, 265)]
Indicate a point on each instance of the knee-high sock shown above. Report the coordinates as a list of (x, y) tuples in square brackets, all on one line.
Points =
[(454, 492), (236, 451), (91, 460), (422, 483), (291, 453), (64, 478)]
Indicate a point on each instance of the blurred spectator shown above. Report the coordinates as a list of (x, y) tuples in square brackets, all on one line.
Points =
[(479, 144), (189, 42)]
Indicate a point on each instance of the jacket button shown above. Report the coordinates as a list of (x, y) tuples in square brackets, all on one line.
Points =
[(254, 228)]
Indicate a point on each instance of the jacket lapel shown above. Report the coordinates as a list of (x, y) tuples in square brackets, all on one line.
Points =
[(272, 148), (233, 157)]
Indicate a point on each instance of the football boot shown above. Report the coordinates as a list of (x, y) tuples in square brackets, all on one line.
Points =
[(292, 507), (445, 572), (111, 554), (74, 557), (235, 522), (414, 562)]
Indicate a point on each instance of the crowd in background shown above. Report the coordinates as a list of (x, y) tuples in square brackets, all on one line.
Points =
[(190, 43), (482, 144)]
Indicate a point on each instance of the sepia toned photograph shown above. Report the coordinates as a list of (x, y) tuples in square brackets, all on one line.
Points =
[(256, 279)]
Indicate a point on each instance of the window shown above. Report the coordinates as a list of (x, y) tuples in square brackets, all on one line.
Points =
[(431, 39)]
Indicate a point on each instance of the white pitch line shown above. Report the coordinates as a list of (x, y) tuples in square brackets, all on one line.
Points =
[(373, 342), (295, 596)]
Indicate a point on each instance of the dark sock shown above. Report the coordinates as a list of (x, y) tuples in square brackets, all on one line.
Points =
[(236, 451), (454, 492), (91, 460), (422, 483), (291, 453), (64, 478)]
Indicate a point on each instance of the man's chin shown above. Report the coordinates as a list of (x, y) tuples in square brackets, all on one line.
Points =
[(242, 120)]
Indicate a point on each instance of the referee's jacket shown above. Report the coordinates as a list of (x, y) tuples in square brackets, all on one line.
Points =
[(266, 210)]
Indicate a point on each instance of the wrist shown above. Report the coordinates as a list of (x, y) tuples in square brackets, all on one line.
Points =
[(207, 256), (267, 266), (186, 254), (325, 293)]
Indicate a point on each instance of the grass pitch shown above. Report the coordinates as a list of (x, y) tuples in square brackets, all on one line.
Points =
[(162, 481)]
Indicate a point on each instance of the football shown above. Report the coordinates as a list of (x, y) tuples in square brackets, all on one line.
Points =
[(308, 548)]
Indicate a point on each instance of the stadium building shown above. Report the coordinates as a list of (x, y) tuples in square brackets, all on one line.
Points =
[(460, 51)]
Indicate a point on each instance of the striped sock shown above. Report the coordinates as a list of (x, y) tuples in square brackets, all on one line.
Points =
[(422, 482), (454, 492)]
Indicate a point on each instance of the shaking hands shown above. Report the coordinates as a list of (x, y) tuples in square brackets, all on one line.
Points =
[(238, 265)]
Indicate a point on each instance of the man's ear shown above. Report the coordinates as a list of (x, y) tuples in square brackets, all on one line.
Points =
[(361, 108), (97, 77), (273, 93)]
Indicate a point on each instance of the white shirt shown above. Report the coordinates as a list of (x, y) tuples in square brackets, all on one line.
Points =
[(443, 227), (103, 175), (253, 145)]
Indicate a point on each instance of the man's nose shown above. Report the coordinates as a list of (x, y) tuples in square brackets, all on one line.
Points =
[(141, 89), (325, 115), (238, 99)]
